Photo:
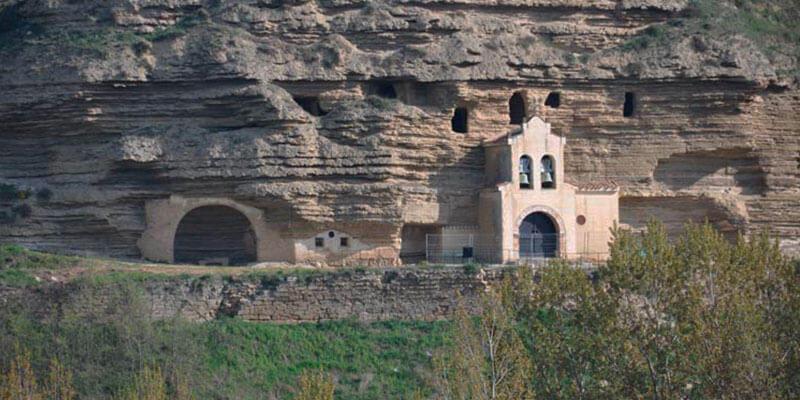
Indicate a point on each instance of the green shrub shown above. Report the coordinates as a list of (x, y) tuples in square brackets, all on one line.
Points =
[(471, 268), (380, 103), (698, 317), (104, 335), (178, 29)]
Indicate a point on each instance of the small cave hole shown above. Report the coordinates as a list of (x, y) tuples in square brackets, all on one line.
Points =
[(310, 105), (630, 104), (553, 100), (459, 122), (516, 109), (385, 90)]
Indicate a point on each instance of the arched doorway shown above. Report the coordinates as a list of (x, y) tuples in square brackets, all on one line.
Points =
[(215, 235), (538, 236)]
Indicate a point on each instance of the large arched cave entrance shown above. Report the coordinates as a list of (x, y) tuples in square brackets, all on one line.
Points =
[(215, 235), (538, 236)]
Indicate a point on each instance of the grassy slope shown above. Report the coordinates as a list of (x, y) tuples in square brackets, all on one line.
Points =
[(225, 358), (233, 359), (22, 267), (383, 360)]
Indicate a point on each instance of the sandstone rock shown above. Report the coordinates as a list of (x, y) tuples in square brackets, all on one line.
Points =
[(111, 105)]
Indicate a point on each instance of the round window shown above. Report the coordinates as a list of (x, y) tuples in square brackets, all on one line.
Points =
[(331, 234), (581, 220)]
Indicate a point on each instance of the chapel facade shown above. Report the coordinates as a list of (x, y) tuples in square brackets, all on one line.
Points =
[(533, 209)]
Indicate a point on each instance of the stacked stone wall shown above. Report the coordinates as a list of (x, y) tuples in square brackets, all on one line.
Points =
[(365, 295)]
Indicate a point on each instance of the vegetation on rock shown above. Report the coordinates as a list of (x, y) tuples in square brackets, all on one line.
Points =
[(697, 317)]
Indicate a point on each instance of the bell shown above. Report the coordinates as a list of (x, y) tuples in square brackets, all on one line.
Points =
[(523, 179), (547, 178)]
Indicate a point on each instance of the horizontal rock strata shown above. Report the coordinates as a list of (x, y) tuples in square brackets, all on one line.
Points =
[(336, 114)]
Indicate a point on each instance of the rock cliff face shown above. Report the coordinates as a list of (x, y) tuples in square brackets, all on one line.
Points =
[(337, 114)]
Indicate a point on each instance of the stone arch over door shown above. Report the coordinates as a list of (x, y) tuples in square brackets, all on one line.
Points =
[(558, 248), (164, 215), (214, 235)]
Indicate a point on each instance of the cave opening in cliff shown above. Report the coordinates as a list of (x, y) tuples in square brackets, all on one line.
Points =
[(414, 241), (310, 104), (553, 100), (516, 109), (630, 104), (214, 235), (384, 89), (459, 122)]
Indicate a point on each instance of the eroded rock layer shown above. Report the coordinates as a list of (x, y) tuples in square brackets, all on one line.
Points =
[(339, 114)]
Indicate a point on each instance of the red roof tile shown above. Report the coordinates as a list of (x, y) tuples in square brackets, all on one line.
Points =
[(598, 185)]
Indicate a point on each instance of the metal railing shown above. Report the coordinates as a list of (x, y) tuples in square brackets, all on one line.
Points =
[(539, 245), (461, 249), (534, 249)]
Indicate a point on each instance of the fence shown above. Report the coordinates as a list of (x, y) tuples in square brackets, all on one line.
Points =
[(461, 249), (533, 249)]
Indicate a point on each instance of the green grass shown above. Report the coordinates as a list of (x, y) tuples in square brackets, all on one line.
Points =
[(99, 272), (91, 37), (226, 358), (771, 25), (16, 277), (381, 103), (178, 29), (652, 36), (16, 257), (99, 280), (382, 360)]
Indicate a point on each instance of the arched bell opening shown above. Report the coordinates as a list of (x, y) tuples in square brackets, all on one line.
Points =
[(548, 167), (525, 176), (538, 236), (215, 235)]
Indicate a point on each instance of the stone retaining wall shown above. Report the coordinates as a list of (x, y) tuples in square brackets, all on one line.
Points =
[(366, 295)]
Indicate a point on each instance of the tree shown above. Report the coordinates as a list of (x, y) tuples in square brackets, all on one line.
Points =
[(148, 384), (571, 332), (486, 359), (20, 383), (151, 384), (315, 386), (704, 317)]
